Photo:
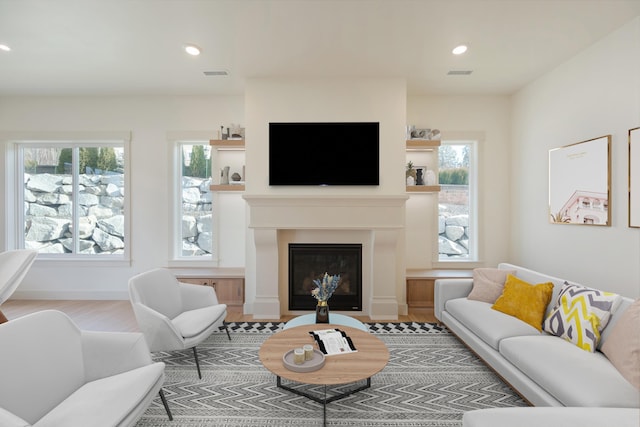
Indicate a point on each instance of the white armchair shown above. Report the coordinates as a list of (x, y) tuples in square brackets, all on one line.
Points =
[(174, 315), (14, 265), (53, 374)]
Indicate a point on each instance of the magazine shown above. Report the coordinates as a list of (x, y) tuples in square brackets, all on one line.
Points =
[(333, 341)]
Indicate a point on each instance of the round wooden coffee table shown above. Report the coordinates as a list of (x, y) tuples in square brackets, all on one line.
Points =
[(370, 358)]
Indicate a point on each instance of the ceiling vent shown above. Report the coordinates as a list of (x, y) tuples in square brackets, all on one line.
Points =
[(216, 73), (459, 72)]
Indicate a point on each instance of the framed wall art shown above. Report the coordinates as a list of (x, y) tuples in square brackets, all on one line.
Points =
[(579, 183), (634, 177)]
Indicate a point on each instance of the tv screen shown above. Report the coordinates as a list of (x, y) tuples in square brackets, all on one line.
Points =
[(324, 153)]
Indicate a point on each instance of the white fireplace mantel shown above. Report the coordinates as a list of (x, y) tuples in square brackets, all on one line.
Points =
[(380, 218), (326, 212)]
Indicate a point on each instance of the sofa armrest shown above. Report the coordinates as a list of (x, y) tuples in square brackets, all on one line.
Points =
[(197, 296), (8, 419), (446, 289), (109, 353)]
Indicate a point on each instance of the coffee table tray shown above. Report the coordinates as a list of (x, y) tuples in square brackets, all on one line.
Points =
[(308, 366)]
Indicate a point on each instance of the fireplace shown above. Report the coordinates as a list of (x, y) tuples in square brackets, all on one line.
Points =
[(309, 261)]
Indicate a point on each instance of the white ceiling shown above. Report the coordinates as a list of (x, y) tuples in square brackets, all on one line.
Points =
[(134, 47)]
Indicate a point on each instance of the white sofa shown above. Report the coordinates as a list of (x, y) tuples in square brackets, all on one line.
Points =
[(52, 374), (544, 369)]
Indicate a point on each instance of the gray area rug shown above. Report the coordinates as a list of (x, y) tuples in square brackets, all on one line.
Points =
[(431, 380)]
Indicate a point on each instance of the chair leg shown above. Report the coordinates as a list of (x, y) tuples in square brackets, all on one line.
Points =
[(226, 329), (195, 355), (166, 405)]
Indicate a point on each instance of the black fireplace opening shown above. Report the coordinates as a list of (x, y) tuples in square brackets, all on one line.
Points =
[(309, 261)]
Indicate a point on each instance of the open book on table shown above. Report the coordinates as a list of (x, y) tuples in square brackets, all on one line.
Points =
[(333, 341)]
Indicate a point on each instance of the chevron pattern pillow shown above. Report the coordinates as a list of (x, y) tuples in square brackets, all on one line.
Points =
[(580, 315)]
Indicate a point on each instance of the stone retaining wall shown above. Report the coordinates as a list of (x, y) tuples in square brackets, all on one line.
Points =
[(48, 213)]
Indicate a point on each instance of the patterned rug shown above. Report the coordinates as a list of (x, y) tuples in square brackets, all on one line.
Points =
[(431, 380)]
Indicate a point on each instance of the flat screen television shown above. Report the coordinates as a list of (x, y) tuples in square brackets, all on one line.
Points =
[(324, 153)]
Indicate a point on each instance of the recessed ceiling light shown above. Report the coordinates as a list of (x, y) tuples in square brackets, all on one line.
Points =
[(459, 50), (5, 47), (192, 49)]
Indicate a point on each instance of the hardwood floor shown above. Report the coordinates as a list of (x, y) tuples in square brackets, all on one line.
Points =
[(117, 315)]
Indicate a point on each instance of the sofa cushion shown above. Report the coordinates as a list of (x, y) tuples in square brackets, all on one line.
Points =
[(489, 325), (571, 375), (580, 314), (488, 284), (622, 347), (109, 400), (525, 301)]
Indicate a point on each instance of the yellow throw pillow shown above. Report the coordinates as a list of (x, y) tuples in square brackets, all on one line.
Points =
[(525, 301)]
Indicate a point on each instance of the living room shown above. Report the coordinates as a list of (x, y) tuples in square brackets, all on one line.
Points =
[(587, 96), (588, 93)]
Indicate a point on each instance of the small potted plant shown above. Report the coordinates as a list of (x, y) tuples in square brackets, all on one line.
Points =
[(410, 172)]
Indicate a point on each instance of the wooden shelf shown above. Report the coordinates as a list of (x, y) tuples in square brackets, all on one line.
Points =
[(227, 187), (227, 143), (423, 188), (422, 144)]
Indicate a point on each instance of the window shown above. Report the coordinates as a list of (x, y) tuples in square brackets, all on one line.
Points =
[(194, 221), (457, 238), (74, 198)]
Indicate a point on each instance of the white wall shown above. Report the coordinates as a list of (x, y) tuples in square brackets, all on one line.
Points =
[(595, 93), (150, 120), (330, 100), (481, 118)]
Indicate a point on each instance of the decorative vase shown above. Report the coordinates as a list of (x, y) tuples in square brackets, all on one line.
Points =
[(419, 178), (322, 312), (224, 175)]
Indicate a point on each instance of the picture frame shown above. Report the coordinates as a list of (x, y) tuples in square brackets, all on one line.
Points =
[(418, 133), (579, 183), (634, 177)]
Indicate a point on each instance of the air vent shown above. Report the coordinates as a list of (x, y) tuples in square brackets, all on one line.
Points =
[(459, 72), (216, 73)]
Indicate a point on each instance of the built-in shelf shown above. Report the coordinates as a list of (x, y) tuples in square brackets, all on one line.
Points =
[(429, 149), (227, 145), (422, 188), (422, 144), (227, 187)]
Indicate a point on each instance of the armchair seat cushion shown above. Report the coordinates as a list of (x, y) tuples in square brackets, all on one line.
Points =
[(193, 322), (111, 400)]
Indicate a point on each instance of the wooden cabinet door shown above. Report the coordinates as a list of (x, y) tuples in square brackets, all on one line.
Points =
[(229, 291), (420, 293)]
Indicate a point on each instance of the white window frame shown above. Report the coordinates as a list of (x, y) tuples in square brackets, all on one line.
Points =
[(176, 259), (14, 194), (474, 256)]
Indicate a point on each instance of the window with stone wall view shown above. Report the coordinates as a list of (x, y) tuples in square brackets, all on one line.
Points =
[(195, 216), (73, 198), (456, 202)]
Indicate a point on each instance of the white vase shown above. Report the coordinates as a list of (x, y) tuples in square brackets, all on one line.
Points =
[(224, 175)]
